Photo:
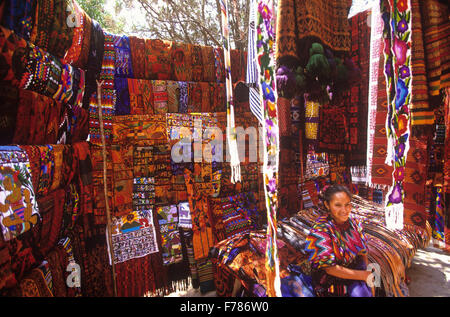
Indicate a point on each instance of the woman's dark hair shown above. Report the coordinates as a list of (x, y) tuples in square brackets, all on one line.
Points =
[(327, 193)]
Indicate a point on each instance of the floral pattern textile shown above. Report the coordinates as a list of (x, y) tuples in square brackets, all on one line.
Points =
[(266, 57), (397, 52)]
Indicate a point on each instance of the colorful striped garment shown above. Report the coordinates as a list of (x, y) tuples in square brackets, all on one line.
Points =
[(330, 244)]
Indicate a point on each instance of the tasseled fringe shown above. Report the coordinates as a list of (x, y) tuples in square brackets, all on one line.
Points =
[(394, 217), (181, 285), (234, 159)]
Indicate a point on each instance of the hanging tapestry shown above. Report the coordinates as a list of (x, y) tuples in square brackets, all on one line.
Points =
[(44, 16), (122, 165), (436, 40), (231, 130), (137, 49), (398, 79), (286, 33), (265, 45), (184, 215), (108, 94), (378, 172), (19, 209), (439, 216), (12, 56), (9, 99), (173, 96), (141, 96), (339, 172), (421, 113), (19, 17), (170, 244), (181, 59), (358, 96), (86, 23), (51, 209), (133, 236), (160, 96), (141, 130), (91, 251), (333, 130), (143, 193), (197, 63), (311, 120), (98, 192), (76, 20), (158, 61), (60, 33), (123, 61), (316, 165), (209, 72), (201, 222), (414, 175)]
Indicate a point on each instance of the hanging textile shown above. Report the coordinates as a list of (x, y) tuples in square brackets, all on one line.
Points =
[(108, 94), (133, 236), (436, 40), (415, 175), (158, 63), (9, 101), (19, 210), (140, 92), (181, 58), (209, 72), (231, 131), (398, 80), (359, 93), (421, 113), (377, 104), (137, 49), (265, 44), (170, 235), (19, 17)]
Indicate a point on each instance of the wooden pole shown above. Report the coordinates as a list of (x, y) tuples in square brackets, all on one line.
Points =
[(105, 185)]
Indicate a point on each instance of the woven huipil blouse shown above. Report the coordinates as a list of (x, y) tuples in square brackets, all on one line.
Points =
[(330, 244)]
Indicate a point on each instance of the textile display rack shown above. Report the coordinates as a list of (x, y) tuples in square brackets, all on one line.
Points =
[(134, 167)]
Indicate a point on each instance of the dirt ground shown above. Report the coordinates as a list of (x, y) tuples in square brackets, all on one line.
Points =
[(429, 274)]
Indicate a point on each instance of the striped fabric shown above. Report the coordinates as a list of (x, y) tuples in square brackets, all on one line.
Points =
[(252, 71), (420, 112)]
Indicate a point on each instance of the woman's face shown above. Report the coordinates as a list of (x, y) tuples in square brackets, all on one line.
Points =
[(339, 207)]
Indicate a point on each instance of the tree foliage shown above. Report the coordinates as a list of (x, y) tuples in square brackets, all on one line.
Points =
[(96, 9), (189, 21)]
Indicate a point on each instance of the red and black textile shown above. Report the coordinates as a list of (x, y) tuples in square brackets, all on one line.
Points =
[(82, 155), (61, 33), (12, 57), (415, 176), (91, 252), (98, 191), (223, 279), (357, 99), (51, 208), (333, 129), (158, 59), (137, 48), (58, 261), (381, 172), (9, 98)]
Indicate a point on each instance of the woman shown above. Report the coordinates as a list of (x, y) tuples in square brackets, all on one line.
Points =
[(337, 248)]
